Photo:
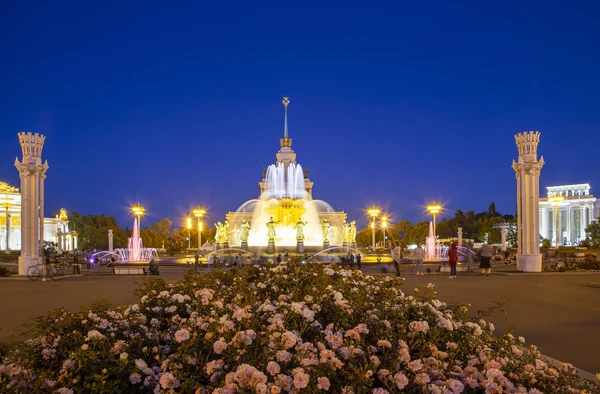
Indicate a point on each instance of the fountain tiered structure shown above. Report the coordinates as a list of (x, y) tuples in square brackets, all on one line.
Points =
[(135, 251), (285, 203)]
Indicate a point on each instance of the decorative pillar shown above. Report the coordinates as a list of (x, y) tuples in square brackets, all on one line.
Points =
[(7, 250), (59, 241), (503, 235), (568, 243), (75, 234), (110, 240), (460, 236), (527, 171), (32, 174), (544, 223)]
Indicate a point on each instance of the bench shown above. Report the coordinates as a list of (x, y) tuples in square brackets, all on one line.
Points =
[(459, 268), (129, 271)]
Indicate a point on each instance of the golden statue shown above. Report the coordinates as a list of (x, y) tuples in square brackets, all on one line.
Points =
[(346, 231), (271, 229), (244, 230), (226, 231), (300, 230), (353, 231), (325, 226), (219, 232)]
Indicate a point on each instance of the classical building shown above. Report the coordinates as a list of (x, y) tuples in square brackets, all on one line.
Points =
[(10, 223), (576, 210)]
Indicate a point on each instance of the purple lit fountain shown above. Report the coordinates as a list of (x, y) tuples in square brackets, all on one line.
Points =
[(135, 252)]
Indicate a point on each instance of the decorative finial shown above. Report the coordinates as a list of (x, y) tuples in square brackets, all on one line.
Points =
[(286, 142)]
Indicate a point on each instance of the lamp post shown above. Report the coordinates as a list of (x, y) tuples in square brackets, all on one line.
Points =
[(373, 212), (556, 200), (7, 203), (434, 209), (384, 226), (199, 212), (138, 210), (189, 227)]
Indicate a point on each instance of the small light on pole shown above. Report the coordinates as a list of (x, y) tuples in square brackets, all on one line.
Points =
[(373, 212), (434, 209), (189, 227), (384, 226), (138, 210), (199, 212)]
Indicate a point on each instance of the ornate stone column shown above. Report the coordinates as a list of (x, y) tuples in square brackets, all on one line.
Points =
[(503, 234), (32, 173), (75, 234), (110, 240), (527, 171), (460, 236)]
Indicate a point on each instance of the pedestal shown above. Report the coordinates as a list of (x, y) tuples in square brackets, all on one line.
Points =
[(354, 246), (25, 263), (300, 246), (244, 245), (225, 245), (346, 246), (326, 245), (271, 247), (529, 262)]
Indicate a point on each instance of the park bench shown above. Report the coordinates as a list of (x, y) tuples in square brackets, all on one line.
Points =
[(459, 268), (129, 271)]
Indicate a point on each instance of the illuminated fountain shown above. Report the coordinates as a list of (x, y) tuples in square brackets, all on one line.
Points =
[(285, 203), (134, 252), (432, 245)]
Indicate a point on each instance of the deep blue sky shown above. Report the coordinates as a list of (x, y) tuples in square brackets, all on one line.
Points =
[(175, 104)]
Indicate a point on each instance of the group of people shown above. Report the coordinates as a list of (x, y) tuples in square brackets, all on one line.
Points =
[(485, 254)]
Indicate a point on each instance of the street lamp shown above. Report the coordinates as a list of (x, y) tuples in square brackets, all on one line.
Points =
[(384, 226), (373, 212), (556, 201), (138, 211), (7, 203), (434, 209), (199, 212), (189, 227)]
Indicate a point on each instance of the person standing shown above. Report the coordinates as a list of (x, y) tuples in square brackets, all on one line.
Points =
[(396, 253), (418, 255), (453, 260), (486, 253), (358, 261)]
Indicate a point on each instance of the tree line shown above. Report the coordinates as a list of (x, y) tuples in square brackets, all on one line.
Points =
[(483, 226), (93, 233)]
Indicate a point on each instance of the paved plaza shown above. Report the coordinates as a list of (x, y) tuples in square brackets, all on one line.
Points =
[(559, 313)]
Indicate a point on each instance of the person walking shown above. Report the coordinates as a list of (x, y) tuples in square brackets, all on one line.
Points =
[(418, 255), (453, 260), (396, 252), (486, 253), (358, 260)]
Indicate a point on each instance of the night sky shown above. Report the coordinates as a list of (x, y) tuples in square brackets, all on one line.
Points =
[(175, 104)]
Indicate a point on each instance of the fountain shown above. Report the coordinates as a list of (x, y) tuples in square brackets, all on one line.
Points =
[(431, 245), (285, 203), (134, 252)]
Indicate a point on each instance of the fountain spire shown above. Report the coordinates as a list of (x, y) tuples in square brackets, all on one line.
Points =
[(286, 141)]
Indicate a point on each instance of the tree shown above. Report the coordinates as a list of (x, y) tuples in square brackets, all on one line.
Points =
[(93, 231), (593, 234), (417, 233)]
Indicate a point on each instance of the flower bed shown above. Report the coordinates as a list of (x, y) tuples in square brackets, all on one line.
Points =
[(587, 263), (289, 328)]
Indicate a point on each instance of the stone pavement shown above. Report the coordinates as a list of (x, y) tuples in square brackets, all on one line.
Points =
[(558, 313)]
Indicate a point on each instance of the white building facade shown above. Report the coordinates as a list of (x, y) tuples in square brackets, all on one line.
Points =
[(575, 212), (56, 229)]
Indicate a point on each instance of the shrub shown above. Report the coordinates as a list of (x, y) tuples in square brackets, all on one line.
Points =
[(4, 272), (289, 328)]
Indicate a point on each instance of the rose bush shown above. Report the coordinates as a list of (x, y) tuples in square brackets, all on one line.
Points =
[(287, 328)]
